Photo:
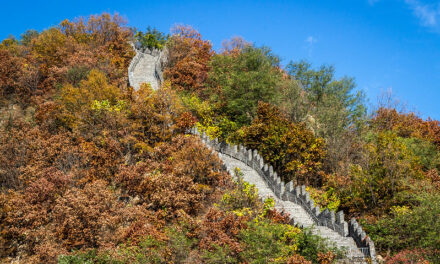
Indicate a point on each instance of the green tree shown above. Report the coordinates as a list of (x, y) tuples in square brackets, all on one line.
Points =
[(334, 109), (382, 178), (28, 36), (151, 39), (238, 81), (335, 103)]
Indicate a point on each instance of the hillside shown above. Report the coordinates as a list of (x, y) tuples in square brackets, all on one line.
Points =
[(116, 146)]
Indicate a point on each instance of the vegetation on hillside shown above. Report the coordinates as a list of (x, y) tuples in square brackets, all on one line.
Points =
[(92, 171), (381, 168)]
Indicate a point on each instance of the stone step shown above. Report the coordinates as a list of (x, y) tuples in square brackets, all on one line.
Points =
[(297, 212), (144, 71)]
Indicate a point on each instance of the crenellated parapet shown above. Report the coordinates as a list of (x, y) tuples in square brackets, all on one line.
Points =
[(362, 240), (294, 193)]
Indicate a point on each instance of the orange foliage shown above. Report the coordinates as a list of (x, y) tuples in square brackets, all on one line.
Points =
[(293, 150), (326, 258), (277, 217), (189, 56), (434, 177), (58, 218), (180, 175), (10, 69), (103, 38), (407, 125), (186, 121), (61, 53), (221, 229), (25, 151), (297, 259), (59, 166)]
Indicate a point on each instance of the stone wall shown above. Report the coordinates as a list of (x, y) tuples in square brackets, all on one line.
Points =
[(161, 58), (296, 194), (133, 64)]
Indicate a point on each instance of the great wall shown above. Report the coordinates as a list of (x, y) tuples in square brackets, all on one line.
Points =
[(147, 66)]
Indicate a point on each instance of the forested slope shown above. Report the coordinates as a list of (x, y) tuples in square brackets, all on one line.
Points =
[(93, 170)]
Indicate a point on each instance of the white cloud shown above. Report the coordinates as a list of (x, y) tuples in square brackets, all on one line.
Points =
[(428, 14), (310, 40)]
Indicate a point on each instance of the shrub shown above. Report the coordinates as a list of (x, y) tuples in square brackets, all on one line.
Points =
[(180, 175), (409, 257), (381, 179), (220, 254), (244, 197), (220, 229), (151, 39), (325, 199), (89, 257), (315, 248), (405, 229), (209, 118), (268, 242)]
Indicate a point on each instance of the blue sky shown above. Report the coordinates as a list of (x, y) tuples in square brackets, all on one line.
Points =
[(384, 44)]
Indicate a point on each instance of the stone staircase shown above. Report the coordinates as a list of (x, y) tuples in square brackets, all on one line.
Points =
[(295, 200), (297, 212), (146, 67)]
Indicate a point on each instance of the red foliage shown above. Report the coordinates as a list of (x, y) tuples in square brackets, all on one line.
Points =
[(413, 256), (221, 229), (189, 56)]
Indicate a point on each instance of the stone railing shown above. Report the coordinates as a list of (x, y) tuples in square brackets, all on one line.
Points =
[(365, 244), (133, 63), (160, 64), (295, 194)]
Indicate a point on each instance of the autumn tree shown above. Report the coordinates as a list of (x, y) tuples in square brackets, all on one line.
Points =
[(407, 125), (292, 149), (10, 69), (188, 62)]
